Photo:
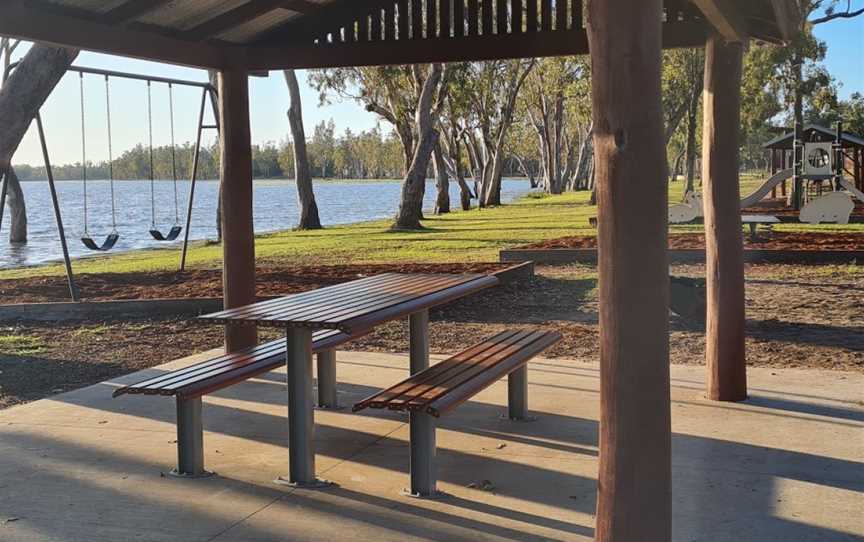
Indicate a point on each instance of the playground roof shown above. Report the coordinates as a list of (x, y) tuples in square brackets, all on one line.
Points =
[(278, 34), (814, 132)]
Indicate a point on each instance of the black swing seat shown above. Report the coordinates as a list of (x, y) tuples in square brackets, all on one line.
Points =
[(172, 235), (109, 243)]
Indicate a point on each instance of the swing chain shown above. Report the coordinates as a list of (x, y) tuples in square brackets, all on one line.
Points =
[(110, 156), (173, 153), (152, 177), (83, 149)]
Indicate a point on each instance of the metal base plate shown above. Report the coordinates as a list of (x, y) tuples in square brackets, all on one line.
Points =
[(316, 484), (506, 416), (406, 492), (174, 473), (331, 408)]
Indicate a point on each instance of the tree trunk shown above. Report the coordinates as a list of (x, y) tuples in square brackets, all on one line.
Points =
[(442, 200), (309, 219), (414, 185), (634, 487), (17, 208), (724, 257), (21, 97), (676, 169)]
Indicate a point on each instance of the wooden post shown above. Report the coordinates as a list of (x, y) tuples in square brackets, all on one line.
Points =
[(238, 239), (724, 254), (634, 495)]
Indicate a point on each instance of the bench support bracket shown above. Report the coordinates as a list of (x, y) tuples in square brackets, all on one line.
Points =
[(517, 394), (190, 439), (327, 397), (424, 481)]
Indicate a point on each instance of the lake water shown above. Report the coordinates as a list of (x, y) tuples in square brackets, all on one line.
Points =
[(275, 208)]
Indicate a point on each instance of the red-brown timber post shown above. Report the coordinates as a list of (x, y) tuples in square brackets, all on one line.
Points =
[(634, 495), (724, 254), (238, 239)]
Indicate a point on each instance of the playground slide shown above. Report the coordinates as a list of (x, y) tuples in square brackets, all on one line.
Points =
[(763, 190), (852, 190)]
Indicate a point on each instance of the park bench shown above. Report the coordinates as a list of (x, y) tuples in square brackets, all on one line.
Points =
[(438, 390), (752, 221), (190, 383)]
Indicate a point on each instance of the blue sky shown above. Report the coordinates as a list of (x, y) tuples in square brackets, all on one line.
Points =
[(269, 101)]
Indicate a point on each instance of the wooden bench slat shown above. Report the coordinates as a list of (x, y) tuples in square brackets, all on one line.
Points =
[(337, 299), (234, 357), (496, 346), (354, 307), (459, 395), (453, 381), (381, 398), (438, 390), (221, 371), (301, 297), (355, 302)]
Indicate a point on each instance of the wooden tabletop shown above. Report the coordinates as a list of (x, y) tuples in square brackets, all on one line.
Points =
[(357, 305)]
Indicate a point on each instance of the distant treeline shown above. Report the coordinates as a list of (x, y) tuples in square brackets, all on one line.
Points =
[(367, 155)]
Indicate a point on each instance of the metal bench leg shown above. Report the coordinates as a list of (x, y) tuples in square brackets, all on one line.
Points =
[(327, 380), (517, 394), (418, 328), (301, 417), (424, 481), (190, 439)]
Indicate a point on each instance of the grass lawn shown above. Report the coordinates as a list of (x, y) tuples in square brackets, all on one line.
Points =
[(476, 235)]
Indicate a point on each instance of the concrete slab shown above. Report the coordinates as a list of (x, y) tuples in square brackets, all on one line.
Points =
[(788, 464)]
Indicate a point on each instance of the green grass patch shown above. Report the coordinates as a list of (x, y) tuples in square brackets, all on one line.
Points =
[(93, 331), (464, 236), (21, 345)]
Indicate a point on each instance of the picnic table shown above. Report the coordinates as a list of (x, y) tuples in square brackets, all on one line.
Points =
[(352, 307), (755, 220)]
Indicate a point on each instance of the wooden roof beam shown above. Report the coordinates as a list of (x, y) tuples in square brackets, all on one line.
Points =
[(131, 10), (243, 14), (36, 21), (725, 17)]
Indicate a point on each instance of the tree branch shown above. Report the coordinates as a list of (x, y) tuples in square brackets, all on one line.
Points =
[(848, 14)]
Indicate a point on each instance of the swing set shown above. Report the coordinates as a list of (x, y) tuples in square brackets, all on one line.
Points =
[(207, 91)]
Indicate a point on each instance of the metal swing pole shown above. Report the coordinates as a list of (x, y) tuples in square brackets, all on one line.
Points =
[(73, 288), (195, 162)]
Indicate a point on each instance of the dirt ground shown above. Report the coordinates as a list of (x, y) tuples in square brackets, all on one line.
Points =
[(797, 316), (774, 240), (208, 282)]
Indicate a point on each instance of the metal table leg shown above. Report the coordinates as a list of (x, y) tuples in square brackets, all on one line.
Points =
[(327, 380), (418, 326), (301, 421), (421, 425)]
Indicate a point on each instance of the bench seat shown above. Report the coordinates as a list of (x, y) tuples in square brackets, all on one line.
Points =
[(448, 384), (190, 383), (227, 369), (437, 390)]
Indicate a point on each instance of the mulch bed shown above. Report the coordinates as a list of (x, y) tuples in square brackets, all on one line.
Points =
[(208, 283), (797, 316), (767, 241)]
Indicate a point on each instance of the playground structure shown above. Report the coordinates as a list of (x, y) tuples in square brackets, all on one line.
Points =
[(207, 91), (811, 157)]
